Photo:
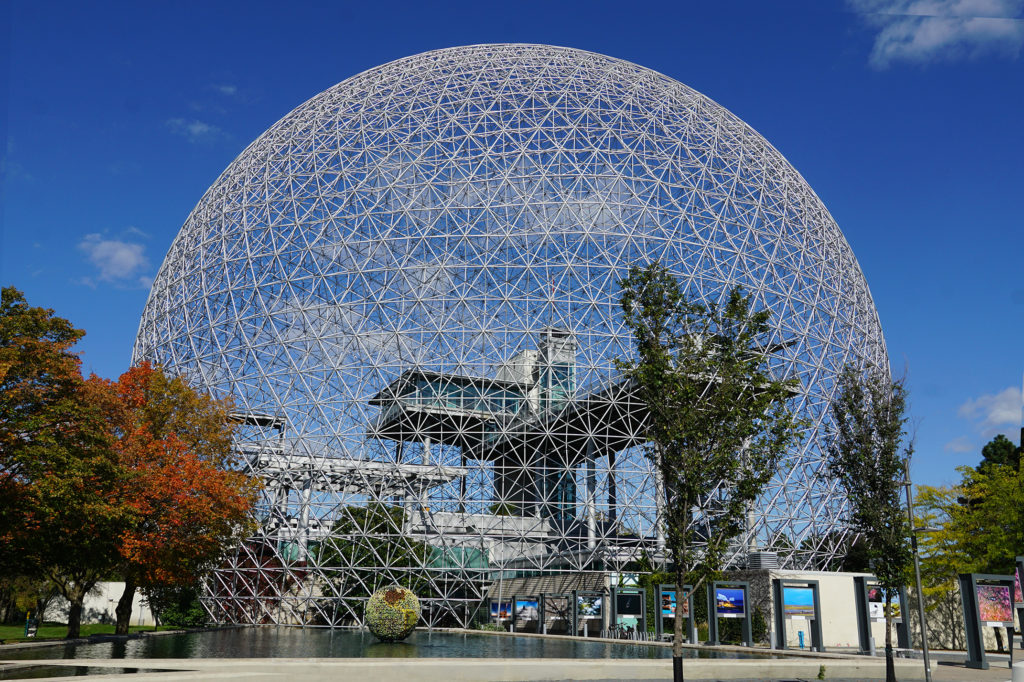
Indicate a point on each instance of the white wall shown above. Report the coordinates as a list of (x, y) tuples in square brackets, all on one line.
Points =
[(838, 611), (99, 606)]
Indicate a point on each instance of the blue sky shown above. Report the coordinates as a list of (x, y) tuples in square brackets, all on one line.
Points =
[(904, 116)]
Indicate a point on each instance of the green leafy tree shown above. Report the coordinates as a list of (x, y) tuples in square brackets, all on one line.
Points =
[(980, 527), (60, 515), (868, 457), (368, 543), (715, 413), (942, 561), (176, 605)]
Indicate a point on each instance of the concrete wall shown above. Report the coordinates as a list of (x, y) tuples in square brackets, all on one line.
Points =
[(838, 611)]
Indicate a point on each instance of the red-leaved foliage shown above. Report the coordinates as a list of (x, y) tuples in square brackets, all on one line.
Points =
[(189, 506)]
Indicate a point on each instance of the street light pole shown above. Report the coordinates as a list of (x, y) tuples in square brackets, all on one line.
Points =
[(917, 572)]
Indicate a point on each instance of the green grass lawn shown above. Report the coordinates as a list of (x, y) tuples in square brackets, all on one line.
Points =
[(16, 633)]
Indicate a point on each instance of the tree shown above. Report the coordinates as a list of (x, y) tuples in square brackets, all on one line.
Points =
[(942, 559), (40, 379), (189, 506), (868, 457), (715, 414), (980, 527), (1000, 451), (59, 511), (367, 542)]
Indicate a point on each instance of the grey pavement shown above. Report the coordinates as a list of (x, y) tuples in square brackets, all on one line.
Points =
[(484, 670)]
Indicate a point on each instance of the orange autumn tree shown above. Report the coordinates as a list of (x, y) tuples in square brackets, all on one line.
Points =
[(190, 503)]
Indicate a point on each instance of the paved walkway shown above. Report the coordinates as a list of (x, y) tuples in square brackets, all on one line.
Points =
[(796, 666), (484, 670)]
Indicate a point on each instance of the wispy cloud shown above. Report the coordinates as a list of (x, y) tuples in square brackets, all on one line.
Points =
[(117, 261), (226, 89), (992, 413), (924, 31), (961, 444), (195, 130)]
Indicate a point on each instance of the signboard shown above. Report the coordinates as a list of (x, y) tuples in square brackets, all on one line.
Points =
[(994, 608), (588, 607), (798, 602), (729, 602), (1017, 596), (502, 610)]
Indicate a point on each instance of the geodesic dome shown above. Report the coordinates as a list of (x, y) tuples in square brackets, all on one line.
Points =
[(409, 287)]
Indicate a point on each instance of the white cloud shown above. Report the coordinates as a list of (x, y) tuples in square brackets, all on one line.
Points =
[(226, 89), (993, 412), (117, 261), (194, 130), (933, 30), (960, 444)]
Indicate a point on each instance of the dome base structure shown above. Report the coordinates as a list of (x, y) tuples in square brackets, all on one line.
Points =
[(409, 287)]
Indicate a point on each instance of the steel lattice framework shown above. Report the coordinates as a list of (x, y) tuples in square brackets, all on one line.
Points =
[(409, 287)]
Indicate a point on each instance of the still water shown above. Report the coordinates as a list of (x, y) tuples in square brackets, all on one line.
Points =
[(274, 642)]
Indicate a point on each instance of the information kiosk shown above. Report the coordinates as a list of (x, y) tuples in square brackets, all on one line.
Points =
[(988, 602), (729, 599), (870, 601), (797, 601), (525, 614), (667, 608), (587, 613), (629, 611), (556, 614)]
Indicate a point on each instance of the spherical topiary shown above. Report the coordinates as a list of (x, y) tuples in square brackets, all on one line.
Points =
[(392, 613)]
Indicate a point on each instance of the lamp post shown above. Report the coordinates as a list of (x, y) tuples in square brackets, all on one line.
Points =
[(917, 569)]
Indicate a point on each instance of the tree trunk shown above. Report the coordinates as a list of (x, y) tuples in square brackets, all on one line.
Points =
[(677, 626), (124, 606), (890, 667), (75, 614), (999, 639)]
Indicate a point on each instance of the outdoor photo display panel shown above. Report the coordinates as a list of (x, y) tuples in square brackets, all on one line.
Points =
[(588, 607), (994, 607), (669, 604), (876, 605), (729, 602), (798, 602), (526, 609), (629, 608), (1017, 596), (501, 610)]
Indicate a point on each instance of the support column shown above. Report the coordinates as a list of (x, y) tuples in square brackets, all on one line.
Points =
[(591, 500), (613, 495), (462, 483), (425, 460), (659, 521), (307, 490)]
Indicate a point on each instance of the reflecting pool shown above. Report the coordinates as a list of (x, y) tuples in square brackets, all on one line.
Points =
[(278, 642)]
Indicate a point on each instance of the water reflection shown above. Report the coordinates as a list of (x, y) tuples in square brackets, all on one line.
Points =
[(271, 642), (392, 650)]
